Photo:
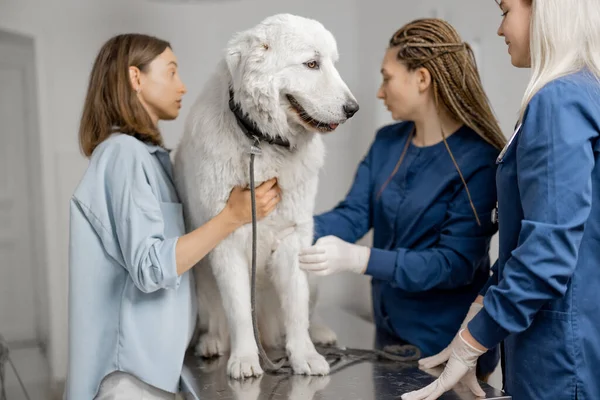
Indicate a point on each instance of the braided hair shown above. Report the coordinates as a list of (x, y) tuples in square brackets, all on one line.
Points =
[(434, 44)]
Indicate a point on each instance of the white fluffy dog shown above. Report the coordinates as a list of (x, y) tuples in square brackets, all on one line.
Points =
[(281, 79)]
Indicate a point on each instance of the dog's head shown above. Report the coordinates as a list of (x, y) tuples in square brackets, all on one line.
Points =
[(283, 75)]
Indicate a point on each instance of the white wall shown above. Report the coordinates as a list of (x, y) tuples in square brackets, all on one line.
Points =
[(68, 33)]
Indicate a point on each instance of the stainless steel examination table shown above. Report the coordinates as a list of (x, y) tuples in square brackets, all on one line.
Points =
[(367, 380)]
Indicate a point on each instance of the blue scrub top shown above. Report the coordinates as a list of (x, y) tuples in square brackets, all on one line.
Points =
[(430, 257), (544, 297)]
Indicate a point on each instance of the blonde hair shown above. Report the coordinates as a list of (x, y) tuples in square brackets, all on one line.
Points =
[(564, 38)]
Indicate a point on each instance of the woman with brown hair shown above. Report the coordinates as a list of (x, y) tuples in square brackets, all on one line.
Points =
[(426, 187), (131, 302)]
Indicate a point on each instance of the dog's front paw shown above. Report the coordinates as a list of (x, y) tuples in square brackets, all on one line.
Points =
[(311, 363), (211, 345), (242, 366), (322, 335)]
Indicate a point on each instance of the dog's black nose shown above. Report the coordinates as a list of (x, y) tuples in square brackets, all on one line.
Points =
[(350, 108)]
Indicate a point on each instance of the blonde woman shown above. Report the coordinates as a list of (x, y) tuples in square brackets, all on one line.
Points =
[(544, 299), (426, 188)]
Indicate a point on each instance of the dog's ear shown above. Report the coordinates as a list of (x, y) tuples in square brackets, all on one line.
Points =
[(240, 49), (237, 51)]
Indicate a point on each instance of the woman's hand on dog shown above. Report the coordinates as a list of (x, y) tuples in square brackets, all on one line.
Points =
[(239, 205), (195, 245)]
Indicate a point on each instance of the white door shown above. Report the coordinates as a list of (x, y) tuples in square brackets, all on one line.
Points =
[(17, 277)]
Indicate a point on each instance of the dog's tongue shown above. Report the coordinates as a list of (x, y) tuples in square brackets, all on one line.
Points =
[(333, 126)]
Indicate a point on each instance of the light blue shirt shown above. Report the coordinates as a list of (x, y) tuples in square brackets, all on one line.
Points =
[(128, 309)]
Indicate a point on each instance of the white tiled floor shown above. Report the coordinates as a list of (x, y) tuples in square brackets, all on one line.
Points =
[(33, 369)]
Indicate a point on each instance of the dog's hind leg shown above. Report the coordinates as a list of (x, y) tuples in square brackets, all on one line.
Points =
[(231, 273), (320, 333), (291, 284), (214, 337), (271, 328)]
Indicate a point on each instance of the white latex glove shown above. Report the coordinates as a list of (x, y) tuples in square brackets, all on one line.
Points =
[(460, 367), (444, 355), (331, 254)]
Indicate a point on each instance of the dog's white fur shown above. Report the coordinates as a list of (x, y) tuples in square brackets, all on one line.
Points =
[(262, 65)]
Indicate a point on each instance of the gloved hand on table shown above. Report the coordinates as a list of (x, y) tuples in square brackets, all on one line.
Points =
[(444, 355), (460, 367), (330, 254)]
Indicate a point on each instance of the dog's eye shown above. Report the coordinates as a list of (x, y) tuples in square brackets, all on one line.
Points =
[(312, 64)]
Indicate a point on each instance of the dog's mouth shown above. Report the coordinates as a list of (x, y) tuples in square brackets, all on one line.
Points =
[(308, 119)]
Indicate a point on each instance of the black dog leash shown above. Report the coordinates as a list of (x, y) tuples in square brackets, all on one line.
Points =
[(269, 366)]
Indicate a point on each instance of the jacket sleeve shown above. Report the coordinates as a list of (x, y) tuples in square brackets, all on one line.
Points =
[(462, 245), (133, 232), (493, 280), (554, 168), (351, 219)]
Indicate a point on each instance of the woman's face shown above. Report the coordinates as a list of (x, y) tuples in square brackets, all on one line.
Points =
[(160, 88), (401, 90), (516, 19)]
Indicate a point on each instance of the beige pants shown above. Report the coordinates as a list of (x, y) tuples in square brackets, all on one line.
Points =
[(123, 386)]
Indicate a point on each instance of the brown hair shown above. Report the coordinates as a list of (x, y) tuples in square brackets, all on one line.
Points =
[(111, 104), (434, 44)]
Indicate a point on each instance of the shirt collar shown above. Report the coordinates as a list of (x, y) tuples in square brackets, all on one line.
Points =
[(152, 148)]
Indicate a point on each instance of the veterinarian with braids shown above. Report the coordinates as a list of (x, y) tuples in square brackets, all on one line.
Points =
[(426, 187), (132, 307), (543, 300)]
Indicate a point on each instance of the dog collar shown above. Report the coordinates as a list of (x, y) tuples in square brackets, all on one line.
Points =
[(251, 130)]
